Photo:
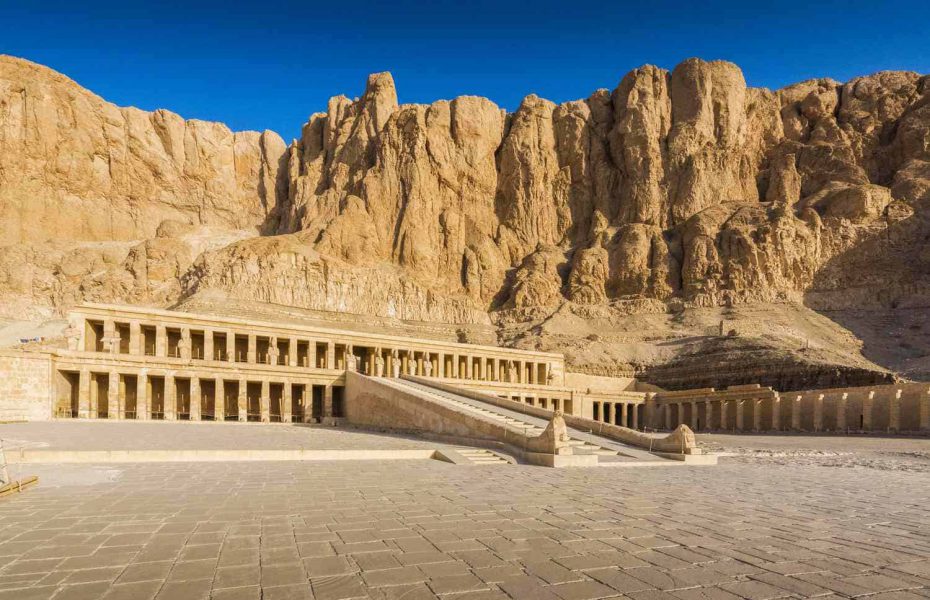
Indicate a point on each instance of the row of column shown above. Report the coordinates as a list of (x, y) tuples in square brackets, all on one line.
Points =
[(617, 413), (150, 392), (377, 361), (803, 413)]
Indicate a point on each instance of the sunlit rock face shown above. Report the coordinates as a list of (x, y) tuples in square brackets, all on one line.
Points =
[(678, 190)]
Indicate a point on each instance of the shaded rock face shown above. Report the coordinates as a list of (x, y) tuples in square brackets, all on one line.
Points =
[(680, 188)]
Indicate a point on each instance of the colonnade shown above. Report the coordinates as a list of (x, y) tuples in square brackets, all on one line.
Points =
[(882, 408), (624, 414), (138, 338), (156, 395)]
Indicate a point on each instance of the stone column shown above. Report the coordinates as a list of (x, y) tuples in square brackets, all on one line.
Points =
[(328, 401), (924, 410), (195, 398), (469, 364), (607, 412), (635, 417), (796, 413), (251, 356), (441, 373), (740, 415), (219, 400), (231, 346), (709, 414), (330, 355), (84, 394), (894, 412), (264, 401), (135, 338), (243, 400), (171, 398), (208, 344), (292, 352), (161, 340), (867, 405), (286, 399), (776, 413), (818, 413), (723, 415), (113, 396), (454, 372), (694, 416), (757, 415), (623, 414), (143, 412), (311, 355), (532, 367), (841, 411)]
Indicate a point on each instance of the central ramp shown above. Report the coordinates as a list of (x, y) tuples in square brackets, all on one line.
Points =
[(608, 452)]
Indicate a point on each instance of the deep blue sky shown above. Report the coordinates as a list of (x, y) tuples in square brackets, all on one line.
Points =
[(269, 65)]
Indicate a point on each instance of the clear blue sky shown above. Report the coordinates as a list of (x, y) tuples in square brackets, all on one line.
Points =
[(269, 65)]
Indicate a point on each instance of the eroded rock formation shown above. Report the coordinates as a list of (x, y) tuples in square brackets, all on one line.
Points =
[(678, 190)]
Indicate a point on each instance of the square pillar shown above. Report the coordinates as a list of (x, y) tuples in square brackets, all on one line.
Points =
[(142, 397), (113, 396), (251, 356), (740, 414), (441, 372), (623, 414), (208, 344), (311, 355), (292, 352), (756, 415), (609, 412), (694, 416), (328, 401), (709, 415), (841, 411), (867, 405), (286, 399), (924, 410), (264, 401), (330, 355), (161, 340), (195, 398), (776, 413), (135, 338), (894, 412), (796, 413), (818, 413), (219, 400), (243, 400), (635, 417), (84, 394), (171, 399), (723, 414), (468, 366), (532, 367)]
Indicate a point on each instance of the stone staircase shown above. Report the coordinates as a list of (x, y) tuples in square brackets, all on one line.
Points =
[(482, 457), (607, 451)]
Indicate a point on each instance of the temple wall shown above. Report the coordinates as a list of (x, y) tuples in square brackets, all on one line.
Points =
[(25, 386)]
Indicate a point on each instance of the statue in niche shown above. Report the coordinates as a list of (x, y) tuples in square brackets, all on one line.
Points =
[(379, 365), (427, 367)]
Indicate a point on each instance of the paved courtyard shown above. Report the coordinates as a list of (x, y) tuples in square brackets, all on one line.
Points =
[(746, 528)]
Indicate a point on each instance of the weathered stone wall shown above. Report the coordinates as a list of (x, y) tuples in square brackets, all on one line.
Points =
[(25, 387)]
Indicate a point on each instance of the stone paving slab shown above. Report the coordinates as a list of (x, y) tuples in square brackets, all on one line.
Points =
[(204, 435), (426, 529)]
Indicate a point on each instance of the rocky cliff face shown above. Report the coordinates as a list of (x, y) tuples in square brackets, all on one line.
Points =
[(676, 191)]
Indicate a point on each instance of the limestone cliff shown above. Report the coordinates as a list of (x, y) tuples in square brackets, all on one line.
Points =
[(677, 191)]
